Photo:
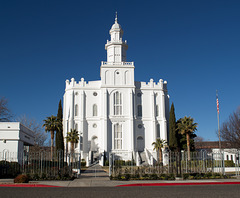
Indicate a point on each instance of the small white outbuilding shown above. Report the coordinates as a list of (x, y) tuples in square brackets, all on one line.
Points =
[(14, 140)]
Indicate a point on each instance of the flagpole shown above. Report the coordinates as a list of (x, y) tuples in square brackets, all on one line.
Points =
[(219, 134), (218, 120), (220, 147)]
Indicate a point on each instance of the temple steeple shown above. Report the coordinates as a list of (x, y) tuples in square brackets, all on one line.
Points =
[(116, 48)]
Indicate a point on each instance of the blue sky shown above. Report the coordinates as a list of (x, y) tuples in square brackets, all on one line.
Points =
[(194, 45)]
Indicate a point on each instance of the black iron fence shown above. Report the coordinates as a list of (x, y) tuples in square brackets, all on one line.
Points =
[(40, 165), (177, 164)]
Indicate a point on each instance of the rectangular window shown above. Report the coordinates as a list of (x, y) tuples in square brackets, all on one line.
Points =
[(81, 143), (157, 110), (117, 103), (94, 110), (117, 136), (158, 131), (76, 110), (139, 110)]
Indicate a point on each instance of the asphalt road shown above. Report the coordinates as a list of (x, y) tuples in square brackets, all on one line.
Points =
[(212, 191)]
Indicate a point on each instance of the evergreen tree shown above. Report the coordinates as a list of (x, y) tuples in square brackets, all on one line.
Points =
[(173, 134), (59, 132)]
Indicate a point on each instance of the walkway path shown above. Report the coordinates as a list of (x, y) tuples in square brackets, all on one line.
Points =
[(93, 176)]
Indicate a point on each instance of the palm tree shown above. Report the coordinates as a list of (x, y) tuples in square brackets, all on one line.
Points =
[(158, 145), (186, 126), (51, 125), (73, 138)]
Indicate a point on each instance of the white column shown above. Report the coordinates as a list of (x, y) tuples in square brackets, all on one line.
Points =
[(163, 129), (71, 119), (153, 107), (104, 119), (82, 121), (131, 120)]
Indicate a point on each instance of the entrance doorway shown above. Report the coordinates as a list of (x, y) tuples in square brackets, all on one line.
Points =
[(140, 144)]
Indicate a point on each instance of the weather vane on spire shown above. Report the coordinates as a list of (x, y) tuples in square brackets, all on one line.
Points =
[(116, 17)]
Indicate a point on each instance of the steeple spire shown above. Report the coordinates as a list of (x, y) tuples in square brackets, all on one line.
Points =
[(116, 47), (116, 17)]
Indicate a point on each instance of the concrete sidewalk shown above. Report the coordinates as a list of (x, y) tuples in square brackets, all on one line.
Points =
[(95, 176)]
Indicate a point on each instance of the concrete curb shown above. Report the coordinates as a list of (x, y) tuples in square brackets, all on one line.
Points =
[(179, 184)]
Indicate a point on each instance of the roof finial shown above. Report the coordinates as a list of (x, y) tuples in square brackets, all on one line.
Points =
[(116, 17)]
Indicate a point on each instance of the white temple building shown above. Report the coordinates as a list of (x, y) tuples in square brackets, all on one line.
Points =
[(116, 113)]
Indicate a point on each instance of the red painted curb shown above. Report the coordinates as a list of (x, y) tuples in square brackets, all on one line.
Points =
[(178, 184), (26, 185)]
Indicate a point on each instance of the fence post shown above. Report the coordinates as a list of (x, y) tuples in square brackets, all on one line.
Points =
[(110, 164), (79, 163), (223, 164)]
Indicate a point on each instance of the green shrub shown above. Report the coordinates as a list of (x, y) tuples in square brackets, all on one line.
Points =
[(191, 177), (44, 176), (9, 169), (83, 163), (106, 163), (186, 175), (119, 177), (36, 176), (130, 163), (171, 176), (127, 176), (229, 163), (119, 163), (21, 179), (153, 177)]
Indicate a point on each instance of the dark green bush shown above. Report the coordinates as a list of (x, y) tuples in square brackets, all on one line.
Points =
[(35, 177), (21, 179), (106, 163), (83, 163), (9, 169), (153, 176), (130, 163), (186, 175), (127, 176), (171, 177), (119, 163), (229, 163), (119, 177), (44, 176)]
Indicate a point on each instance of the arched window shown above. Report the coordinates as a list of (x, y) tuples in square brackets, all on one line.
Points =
[(94, 110), (76, 110), (158, 131), (117, 97), (117, 136), (157, 110), (139, 110)]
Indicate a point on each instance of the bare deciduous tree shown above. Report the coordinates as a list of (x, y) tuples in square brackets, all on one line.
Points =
[(230, 129), (39, 134), (5, 113)]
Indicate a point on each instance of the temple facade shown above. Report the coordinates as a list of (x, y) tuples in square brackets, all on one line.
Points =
[(116, 114)]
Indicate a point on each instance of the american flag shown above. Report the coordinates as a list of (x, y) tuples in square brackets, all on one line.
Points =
[(217, 103)]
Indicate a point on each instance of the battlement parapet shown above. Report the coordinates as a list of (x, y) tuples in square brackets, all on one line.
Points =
[(82, 84), (152, 85)]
